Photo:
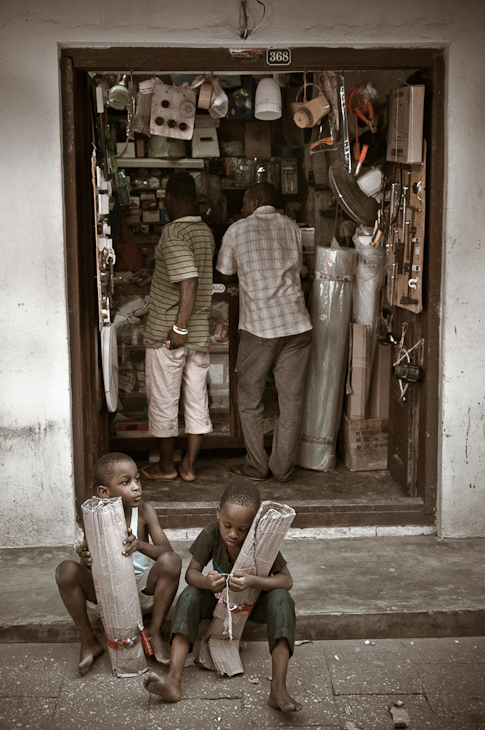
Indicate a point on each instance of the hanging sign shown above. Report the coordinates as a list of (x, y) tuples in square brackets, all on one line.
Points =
[(278, 56), (252, 53)]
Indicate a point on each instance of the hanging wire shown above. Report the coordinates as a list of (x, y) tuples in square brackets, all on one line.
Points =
[(244, 31)]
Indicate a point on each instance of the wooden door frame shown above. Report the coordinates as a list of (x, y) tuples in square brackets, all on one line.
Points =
[(75, 61)]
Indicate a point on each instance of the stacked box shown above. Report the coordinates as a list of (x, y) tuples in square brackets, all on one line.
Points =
[(363, 436), (364, 443)]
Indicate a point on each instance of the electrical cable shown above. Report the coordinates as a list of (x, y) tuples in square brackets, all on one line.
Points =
[(244, 31)]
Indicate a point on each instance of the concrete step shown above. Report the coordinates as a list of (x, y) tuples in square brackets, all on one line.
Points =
[(344, 588)]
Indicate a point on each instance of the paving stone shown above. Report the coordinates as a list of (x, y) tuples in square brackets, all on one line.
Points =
[(465, 649), (311, 689), (379, 667), (26, 713), (35, 670), (101, 701), (456, 692), (196, 714), (373, 712), (198, 682)]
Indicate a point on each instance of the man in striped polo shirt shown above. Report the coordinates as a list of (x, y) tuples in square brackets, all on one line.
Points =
[(264, 251), (177, 331)]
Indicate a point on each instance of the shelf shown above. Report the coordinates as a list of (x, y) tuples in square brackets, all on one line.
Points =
[(183, 162)]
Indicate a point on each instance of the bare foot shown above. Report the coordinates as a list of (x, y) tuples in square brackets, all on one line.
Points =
[(281, 700), (187, 474), (156, 473), (89, 652), (166, 687), (159, 651)]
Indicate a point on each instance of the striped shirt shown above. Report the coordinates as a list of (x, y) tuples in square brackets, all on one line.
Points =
[(185, 250), (265, 252)]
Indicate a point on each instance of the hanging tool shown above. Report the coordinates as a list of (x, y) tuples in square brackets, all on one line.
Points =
[(361, 109), (345, 129), (100, 111), (361, 158), (393, 283)]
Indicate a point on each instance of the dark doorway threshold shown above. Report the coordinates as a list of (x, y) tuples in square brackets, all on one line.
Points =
[(339, 498)]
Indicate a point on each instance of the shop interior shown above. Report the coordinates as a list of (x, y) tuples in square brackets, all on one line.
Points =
[(347, 153)]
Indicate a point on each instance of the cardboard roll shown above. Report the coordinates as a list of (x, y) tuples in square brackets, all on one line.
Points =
[(205, 94)]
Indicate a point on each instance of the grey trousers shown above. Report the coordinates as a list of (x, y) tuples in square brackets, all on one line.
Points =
[(288, 358)]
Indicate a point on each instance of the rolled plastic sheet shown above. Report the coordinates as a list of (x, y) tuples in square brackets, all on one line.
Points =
[(330, 312), (369, 278), (220, 646), (115, 584)]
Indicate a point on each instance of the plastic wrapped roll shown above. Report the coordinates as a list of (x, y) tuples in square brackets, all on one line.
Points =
[(369, 278), (115, 584), (330, 311)]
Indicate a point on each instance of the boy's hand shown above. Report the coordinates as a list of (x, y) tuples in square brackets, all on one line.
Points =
[(217, 582), (240, 581), (84, 554), (131, 543)]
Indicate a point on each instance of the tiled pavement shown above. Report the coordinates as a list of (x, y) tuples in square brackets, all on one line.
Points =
[(341, 684)]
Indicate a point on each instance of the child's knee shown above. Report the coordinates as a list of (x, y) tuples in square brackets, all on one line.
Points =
[(170, 564), (67, 573), (280, 599)]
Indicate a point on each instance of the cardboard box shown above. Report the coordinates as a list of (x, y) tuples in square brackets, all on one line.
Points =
[(205, 143), (378, 405), (257, 140), (363, 443), (405, 133), (151, 216), (126, 428), (124, 150), (357, 374)]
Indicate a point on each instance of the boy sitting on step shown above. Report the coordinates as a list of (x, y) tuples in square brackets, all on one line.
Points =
[(157, 566), (221, 542)]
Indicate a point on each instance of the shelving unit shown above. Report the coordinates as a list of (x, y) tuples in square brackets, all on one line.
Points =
[(187, 163)]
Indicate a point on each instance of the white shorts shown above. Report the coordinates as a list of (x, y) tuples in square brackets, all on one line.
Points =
[(146, 602), (173, 376)]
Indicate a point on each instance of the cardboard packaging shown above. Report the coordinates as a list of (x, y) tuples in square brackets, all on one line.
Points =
[(357, 372), (364, 443), (405, 133), (151, 216), (378, 404), (124, 150), (220, 646), (205, 142), (115, 584)]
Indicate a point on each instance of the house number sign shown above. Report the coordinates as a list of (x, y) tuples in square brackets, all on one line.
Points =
[(278, 56)]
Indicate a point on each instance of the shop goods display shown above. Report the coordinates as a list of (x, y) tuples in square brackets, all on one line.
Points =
[(115, 584), (272, 128), (172, 111), (330, 311), (220, 646), (406, 236)]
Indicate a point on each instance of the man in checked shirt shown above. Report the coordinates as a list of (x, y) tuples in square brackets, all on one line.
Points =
[(263, 252)]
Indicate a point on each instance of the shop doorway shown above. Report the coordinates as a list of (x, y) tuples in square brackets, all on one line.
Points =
[(413, 423)]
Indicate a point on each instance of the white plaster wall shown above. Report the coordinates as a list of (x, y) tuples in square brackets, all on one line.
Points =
[(37, 506)]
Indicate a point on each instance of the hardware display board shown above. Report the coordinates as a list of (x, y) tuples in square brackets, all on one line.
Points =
[(406, 237)]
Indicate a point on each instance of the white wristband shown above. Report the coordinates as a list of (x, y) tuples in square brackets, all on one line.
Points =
[(180, 330)]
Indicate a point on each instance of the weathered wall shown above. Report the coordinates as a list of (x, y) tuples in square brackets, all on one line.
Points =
[(37, 504)]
